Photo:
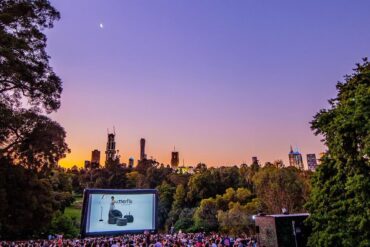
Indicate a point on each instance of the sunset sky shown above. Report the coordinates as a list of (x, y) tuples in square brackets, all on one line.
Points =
[(220, 80)]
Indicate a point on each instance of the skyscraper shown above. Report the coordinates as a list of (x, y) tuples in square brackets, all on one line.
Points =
[(142, 149), (311, 162), (295, 159), (95, 156), (175, 159), (131, 162), (255, 160), (111, 147)]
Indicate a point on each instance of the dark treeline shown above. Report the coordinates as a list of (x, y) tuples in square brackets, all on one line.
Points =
[(211, 198)]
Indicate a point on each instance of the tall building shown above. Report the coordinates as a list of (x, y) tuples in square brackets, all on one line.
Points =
[(131, 162), (95, 156), (175, 159), (142, 149), (255, 160), (311, 162), (111, 152), (295, 159)]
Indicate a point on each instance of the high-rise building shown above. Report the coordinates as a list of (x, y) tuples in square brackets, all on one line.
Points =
[(111, 147), (255, 160), (131, 162), (142, 149), (95, 156), (311, 162), (295, 159), (175, 159)]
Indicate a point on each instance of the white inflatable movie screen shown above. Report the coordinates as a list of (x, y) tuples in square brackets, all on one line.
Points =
[(112, 212)]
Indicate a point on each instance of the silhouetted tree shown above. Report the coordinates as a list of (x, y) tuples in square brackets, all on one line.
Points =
[(30, 143), (24, 64), (339, 203)]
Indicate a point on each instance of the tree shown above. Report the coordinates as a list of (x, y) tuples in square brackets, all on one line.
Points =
[(281, 188), (185, 219), (339, 203), (201, 185), (131, 179), (24, 64), (30, 139), (27, 137), (200, 167), (177, 205), (62, 224), (27, 204), (238, 218), (165, 192), (278, 163), (205, 216), (212, 182), (30, 143)]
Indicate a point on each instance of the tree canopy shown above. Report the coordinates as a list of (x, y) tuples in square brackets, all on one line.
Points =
[(339, 203), (24, 64), (30, 142)]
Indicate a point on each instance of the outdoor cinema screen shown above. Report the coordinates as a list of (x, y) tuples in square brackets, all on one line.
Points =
[(110, 212)]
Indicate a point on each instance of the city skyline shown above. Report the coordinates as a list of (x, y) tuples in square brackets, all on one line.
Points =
[(221, 81), (175, 160)]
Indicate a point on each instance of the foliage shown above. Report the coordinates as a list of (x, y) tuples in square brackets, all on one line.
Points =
[(177, 205), (24, 63), (205, 216), (238, 218), (30, 143), (30, 139), (212, 182), (281, 188), (166, 192), (62, 224), (339, 203), (27, 204), (185, 220), (233, 205)]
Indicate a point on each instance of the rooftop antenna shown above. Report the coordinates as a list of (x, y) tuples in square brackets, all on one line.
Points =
[(114, 130)]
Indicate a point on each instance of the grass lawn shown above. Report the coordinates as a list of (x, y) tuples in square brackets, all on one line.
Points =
[(74, 211)]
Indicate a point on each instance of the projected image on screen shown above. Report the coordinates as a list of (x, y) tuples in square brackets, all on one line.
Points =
[(120, 212)]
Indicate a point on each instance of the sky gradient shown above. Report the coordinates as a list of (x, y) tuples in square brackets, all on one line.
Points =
[(220, 80)]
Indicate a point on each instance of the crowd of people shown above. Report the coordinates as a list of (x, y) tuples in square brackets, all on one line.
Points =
[(142, 240)]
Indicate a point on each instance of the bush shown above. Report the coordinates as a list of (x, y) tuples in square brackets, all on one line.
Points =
[(62, 224)]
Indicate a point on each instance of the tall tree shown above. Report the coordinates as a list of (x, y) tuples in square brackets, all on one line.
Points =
[(177, 205), (340, 200), (166, 192), (24, 64), (30, 142), (26, 136)]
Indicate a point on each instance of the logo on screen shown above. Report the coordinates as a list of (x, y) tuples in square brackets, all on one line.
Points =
[(124, 201)]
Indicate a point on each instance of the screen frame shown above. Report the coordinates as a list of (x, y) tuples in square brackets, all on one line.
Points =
[(85, 205)]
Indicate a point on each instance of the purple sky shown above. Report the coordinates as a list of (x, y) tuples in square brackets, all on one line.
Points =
[(220, 80)]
